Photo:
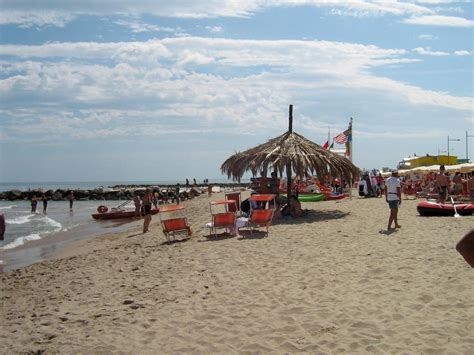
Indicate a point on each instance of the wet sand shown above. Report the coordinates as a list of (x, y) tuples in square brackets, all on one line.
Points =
[(330, 282)]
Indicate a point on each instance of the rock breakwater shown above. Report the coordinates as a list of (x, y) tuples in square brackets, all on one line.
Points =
[(117, 192)]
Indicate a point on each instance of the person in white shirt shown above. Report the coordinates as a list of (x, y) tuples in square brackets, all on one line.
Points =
[(363, 190), (393, 195)]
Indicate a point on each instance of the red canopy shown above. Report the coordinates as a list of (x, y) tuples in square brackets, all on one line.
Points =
[(262, 197), (171, 208), (223, 202)]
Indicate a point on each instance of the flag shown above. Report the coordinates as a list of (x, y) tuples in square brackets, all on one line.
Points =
[(326, 145), (343, 137), (332, 145), (349, 140)]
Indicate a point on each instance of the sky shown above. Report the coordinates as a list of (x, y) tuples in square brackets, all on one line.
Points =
[(163, 90)]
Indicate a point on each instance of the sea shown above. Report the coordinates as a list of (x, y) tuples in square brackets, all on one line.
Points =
[(33, 237), (75, 185)]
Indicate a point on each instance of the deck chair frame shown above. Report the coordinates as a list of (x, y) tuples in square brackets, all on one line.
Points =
[(236, 196), (225, 219), (261, 217), (174, 226)]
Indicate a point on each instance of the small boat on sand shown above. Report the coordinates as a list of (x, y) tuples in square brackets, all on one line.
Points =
[(333, 196), (125, 210), (308, 197), (429, 208)]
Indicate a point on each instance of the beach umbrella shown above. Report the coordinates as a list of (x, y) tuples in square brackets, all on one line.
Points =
[(290, 152)]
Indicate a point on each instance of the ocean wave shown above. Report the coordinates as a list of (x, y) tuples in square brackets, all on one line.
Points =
[(8, 207), (20, 241), (19, 220), (55, 224)]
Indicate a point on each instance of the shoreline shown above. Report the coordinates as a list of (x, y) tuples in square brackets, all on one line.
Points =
[(45, 248), (329, 282)]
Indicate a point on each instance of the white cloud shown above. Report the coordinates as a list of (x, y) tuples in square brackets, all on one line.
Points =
[(428, 51), (436, 20), (462, 53), (138, 27), (214, 29), (28, 18), (159, 84), (428, 37), (57, 12)]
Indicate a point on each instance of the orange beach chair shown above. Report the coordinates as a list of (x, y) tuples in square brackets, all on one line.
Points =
[(237, 198), (262, 216), (174, 226), (222, 219)]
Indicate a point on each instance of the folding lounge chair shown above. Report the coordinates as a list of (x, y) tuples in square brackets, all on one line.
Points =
[(237, 198), (174, 226), (222, 219), (263, 216)]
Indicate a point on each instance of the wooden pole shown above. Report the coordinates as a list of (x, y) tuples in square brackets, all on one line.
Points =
[(350, 157), (288, 165)]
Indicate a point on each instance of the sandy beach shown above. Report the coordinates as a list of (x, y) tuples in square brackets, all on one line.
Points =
[(330, 282)]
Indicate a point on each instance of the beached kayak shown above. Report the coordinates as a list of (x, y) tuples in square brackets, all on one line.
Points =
[(310, 197)]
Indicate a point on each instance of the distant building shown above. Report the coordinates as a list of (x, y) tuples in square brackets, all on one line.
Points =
[(339, 151), (427, 160)]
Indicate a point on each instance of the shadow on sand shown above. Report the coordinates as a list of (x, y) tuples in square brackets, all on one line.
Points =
[(216, 238), (310, 216)]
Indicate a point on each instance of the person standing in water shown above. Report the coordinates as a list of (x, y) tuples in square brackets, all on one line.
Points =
[(34, 204), (45, 203), (2, 226), (70, 197)]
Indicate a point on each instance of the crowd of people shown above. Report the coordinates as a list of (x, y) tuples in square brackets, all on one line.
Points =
[(434, 183), (439, 185)]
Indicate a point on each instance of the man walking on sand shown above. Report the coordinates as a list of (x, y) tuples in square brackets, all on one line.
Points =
[(442, 183), (393, 195)]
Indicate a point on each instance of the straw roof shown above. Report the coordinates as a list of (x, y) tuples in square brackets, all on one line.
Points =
[(292, 148)]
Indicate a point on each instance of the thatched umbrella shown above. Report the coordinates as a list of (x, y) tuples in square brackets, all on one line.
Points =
[(291, 152)]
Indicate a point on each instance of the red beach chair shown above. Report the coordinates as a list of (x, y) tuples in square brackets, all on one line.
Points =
[(174, 226), (263, 215), (237, 198), (222, 219)]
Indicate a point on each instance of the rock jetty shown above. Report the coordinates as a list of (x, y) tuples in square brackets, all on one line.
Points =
[(117, 192)]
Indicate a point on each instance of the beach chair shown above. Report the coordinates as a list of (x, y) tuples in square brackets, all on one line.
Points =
[(224, 219), (237, 198), (409, 190), (262, 215), (174, 226)]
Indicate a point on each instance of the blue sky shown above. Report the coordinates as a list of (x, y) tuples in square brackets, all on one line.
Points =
[(163, 90)]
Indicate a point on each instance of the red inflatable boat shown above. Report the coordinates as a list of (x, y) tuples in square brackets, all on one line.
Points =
[(428, 208), (332, 196), (103, 213)]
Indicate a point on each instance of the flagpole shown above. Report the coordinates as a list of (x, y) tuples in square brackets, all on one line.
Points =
[(350, 152), (350, 142)]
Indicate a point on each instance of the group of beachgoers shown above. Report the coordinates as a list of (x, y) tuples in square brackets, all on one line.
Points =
[(371, 184), (152, 197), (272, 185), (44, 199), (438, 184), (442, 183)]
